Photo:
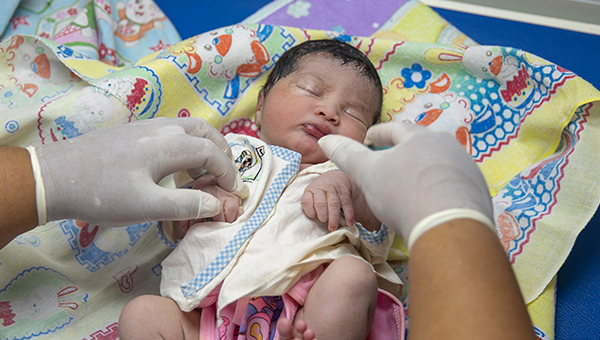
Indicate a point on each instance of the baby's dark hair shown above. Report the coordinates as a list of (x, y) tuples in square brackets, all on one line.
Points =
[(335, 49)]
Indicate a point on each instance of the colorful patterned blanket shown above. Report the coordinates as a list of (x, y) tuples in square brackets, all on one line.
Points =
[(531, 125)]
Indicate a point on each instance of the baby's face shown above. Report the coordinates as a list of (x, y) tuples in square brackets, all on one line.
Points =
[(322, 97)]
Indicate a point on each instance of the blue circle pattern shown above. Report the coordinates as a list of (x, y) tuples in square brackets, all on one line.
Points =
[(11, 126)]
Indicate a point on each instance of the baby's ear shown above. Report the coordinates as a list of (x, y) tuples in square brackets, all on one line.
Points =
[(259, 106)]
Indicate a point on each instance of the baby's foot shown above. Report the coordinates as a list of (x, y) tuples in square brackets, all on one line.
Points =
[(299, 331)]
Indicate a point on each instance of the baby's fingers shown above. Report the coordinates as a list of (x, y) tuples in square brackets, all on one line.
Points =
[(334, 206), (346, 204), (307, 203), (320, 205), (315, 204)]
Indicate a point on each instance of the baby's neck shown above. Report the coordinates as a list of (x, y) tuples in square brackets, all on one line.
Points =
[(304, 166)]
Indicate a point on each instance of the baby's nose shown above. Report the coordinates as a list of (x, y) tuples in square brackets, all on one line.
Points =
[(330, 112)]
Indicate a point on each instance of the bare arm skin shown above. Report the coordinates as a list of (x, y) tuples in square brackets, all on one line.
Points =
[(461, 283), (18, 212), (462, 286)]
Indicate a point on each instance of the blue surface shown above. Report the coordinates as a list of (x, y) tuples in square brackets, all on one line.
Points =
[(207, 15), (578, 293), (578, 288)]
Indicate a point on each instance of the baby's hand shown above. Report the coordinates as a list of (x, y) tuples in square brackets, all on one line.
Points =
[(232, 204), (327, 196)]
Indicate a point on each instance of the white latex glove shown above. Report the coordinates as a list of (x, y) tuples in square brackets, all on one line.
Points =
[(425, 178), (109, 177)]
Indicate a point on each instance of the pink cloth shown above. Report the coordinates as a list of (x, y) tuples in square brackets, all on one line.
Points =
[(256, 318)]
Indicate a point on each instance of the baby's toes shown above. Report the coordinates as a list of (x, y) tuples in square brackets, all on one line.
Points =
[(286, 329)]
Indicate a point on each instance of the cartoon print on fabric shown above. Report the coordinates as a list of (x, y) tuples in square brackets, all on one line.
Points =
[(229, 53), (136, 17), (62, 27), (48, 305), (242, 126), (74, 24), (507, 86), (37, 74), (88, 109), (140, 90), (109, 332), (22, 17), (249, 160), (516, 86), (412, 98), (108, 55), (260, 318), (225, 328), (299, 9), (84, 22), (229, 60), (531, 195), (94, 247), (124, 278), (27, 239), (540, 334), (65, 52)]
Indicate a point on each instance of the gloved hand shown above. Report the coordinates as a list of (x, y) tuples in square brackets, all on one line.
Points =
[(109, 177), (425, 178)]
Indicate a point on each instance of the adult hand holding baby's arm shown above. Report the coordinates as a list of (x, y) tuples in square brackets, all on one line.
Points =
[(332, 192), (231, 203), (109, 176), (430, 191), (424, 179)]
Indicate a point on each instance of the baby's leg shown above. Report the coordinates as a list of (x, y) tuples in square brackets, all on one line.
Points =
[(341, 304), (156, 317)]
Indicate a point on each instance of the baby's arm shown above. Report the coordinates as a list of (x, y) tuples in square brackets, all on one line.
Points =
[(334, 191)]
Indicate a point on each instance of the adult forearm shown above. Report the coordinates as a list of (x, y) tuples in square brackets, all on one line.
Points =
[(462, 286), (18, 212)]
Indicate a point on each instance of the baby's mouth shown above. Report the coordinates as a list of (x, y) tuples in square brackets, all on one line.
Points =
[(316, 131)]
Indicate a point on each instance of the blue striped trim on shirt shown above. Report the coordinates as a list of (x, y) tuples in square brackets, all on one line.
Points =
[(264, 208)]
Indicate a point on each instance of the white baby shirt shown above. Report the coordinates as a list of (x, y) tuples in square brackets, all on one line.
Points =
[(273, 243)]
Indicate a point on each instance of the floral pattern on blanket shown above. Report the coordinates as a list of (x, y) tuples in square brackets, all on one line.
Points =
[(529, 124)]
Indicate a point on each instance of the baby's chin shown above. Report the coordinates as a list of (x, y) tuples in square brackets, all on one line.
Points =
[(312, 160)]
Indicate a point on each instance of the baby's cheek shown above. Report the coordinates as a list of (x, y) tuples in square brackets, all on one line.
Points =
[(357, 133), (354, 129)]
